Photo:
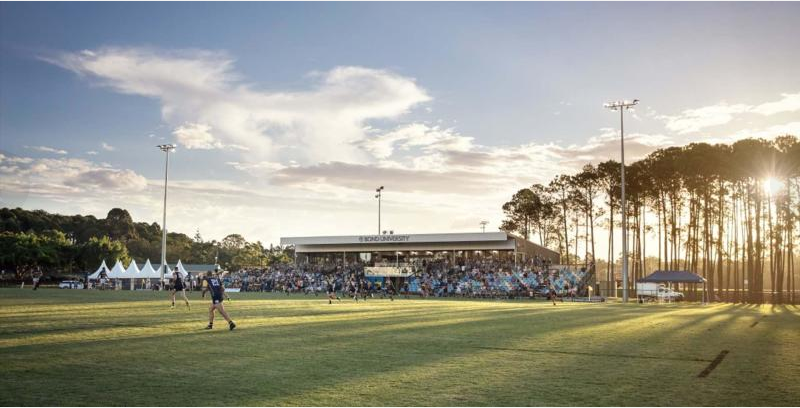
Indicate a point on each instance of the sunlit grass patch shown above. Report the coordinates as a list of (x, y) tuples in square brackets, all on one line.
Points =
[(63, 347)]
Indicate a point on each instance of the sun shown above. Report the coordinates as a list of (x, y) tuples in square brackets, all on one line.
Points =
[(772, 186)]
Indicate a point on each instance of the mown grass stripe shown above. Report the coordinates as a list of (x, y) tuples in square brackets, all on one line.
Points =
[(713, 364)]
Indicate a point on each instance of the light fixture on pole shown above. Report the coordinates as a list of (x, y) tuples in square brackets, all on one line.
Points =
[(622, 106), (483, 225), (166, 148), (378, 196)]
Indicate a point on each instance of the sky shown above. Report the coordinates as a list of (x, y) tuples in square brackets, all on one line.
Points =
[(287, 116)]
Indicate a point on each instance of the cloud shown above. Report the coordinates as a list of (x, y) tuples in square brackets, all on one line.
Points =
[(108, 179), (46, 149), (789, 103), (198, 136), (107, 147), (257, 167), (65, 177), (92, 153), (693, 120), (366, 177), (429, 139), (768, 133), (449, 163), (322, 123)]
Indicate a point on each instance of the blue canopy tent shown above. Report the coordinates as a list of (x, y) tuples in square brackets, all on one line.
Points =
[(677, 277)]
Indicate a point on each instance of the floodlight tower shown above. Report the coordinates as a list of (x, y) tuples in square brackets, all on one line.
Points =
[(483, 225), (166, 148), (622, 106), (378, 196)]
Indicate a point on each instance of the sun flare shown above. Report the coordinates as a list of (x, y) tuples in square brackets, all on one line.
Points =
[(772, 186)]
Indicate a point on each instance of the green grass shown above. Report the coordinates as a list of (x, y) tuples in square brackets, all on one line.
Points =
[(67, 347)]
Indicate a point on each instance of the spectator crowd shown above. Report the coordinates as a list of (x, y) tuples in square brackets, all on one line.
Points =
[(481, 278)]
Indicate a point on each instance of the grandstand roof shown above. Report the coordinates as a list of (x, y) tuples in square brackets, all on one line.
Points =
[(419, 242)]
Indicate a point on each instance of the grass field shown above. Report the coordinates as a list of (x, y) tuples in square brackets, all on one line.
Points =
[(62, 347)]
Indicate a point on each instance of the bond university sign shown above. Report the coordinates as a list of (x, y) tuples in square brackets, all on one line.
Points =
[(396, 239), (384, 238)]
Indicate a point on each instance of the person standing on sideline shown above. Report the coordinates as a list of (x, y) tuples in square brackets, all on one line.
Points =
[(177, 285), (204, 284), (217, 294), (389, 290), (37, 276)]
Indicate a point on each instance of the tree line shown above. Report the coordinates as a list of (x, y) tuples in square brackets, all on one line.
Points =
[(728, 212), (73, 244)]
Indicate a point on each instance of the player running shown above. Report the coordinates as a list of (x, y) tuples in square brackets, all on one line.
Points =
[(206, 288), (217, 292), (331, 291), (177, 285)]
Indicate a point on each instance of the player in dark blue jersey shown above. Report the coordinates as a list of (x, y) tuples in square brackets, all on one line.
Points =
[(217, 294), (330, 289), (177, 285), (362, 288)]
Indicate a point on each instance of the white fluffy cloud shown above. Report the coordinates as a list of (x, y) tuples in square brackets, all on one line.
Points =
[(107, 147), (65, 177), (789, 103), (201, 88), (429, 139), (46, 149), (198, 136), (693, 120)]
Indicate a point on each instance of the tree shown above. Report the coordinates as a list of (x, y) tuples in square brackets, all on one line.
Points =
[(520, 212), (97, 250), (119, 225)]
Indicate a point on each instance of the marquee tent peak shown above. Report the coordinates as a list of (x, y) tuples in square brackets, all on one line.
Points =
[(147, 271), (117, 271), (133, 270), (96, 274)]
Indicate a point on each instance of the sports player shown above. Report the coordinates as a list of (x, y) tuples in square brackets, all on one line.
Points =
[(389, 289), (353, 289), (206, 288), (331, 291), (362, 288), (217, 293), (177, 285)]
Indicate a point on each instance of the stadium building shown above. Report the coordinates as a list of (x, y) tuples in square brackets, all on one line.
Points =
[(387, 254)]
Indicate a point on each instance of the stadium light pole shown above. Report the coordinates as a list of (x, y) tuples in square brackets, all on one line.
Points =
[(483, 225), (378, 196), (166, 148), (622, 106)]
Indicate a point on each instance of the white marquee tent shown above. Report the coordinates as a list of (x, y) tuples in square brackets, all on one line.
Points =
[(147, 272), (118, 271), (132, 272), (167, 273), (96, 274)]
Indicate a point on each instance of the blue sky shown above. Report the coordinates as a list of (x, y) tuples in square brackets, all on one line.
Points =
[(287, 113)]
